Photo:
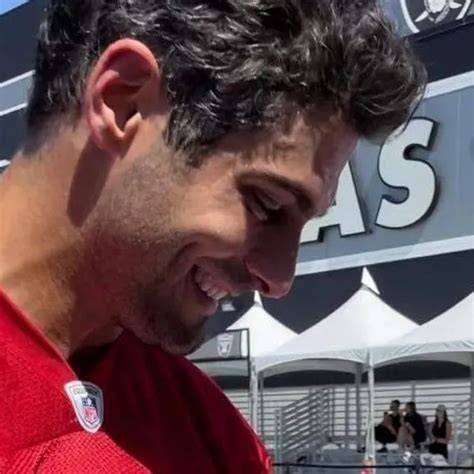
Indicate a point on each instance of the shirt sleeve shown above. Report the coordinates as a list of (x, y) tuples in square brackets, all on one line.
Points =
[(75, 452)]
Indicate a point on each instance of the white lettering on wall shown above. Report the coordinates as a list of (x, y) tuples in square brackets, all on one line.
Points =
[(345, 213), (416, 176), (397, 170)]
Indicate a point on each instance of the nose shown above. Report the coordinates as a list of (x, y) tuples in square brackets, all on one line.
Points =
[(272, 267)]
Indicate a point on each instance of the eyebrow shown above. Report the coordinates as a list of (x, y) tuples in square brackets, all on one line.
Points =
[(306, 203)]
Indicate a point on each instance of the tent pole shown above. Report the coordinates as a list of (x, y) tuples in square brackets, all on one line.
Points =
[(347, 414), (358, 382), (262, 406), (253, 396), (370, 448)]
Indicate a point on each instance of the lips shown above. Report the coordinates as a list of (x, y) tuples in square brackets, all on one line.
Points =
[(208, 284)]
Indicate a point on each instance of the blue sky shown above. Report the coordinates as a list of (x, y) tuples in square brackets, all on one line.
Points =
[(6, 5)]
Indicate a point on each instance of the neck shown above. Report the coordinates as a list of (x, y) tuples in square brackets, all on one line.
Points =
[(42, 255)]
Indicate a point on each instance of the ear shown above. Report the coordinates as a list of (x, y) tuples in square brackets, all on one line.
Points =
[(122, 89)]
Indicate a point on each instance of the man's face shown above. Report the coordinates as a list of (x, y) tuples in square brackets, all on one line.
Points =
[(394, 407), (170, 239)]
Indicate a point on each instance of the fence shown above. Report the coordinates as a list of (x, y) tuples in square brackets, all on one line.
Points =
[(274, 399), (415, 468), (340, 423), (304, 424), (461, 426)]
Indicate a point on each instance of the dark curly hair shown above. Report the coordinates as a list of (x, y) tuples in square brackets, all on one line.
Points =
[(236, 65)]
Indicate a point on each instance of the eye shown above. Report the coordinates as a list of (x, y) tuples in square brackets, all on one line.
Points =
[(262, 206)]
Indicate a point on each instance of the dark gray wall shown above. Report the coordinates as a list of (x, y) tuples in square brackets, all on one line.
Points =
[(420, 289)]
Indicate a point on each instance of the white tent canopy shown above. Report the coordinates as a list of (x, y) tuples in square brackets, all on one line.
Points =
[(342, 340), (265, 335), (449, 337)]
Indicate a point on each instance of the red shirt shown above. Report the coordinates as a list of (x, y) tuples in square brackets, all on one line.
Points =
[(161, 413)]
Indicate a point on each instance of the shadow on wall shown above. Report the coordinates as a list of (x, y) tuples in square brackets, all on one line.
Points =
[(421, 289), (313, 297)]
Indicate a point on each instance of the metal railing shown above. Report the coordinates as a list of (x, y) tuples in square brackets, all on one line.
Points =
[(461, 423), (415, 468), (275, 399), (303, 425), (341, 424)]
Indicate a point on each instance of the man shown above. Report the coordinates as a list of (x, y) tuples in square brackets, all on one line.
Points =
[(175, 150), (387, 431)]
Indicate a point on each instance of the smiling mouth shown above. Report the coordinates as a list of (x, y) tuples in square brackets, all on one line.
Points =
[(208, 285)]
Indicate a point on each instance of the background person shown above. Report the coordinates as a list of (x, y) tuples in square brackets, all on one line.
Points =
[(412, 431), (387, 431), (440, 431)]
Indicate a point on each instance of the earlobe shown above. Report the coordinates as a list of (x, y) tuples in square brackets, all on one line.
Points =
[(114, 105)]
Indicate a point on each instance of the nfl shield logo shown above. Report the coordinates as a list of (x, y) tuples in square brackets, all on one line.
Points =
[(88, 404), (89, 410), (224, 344)]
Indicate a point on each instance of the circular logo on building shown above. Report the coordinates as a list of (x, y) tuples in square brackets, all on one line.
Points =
[(421, 15)]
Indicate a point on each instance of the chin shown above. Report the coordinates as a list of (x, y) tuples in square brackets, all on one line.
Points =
[(180, 350), (175, 339), (171, 320), (181, 347)]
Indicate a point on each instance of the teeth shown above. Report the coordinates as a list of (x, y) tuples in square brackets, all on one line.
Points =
[(212, 292), (215, 293), (220, 295), (205, 283)]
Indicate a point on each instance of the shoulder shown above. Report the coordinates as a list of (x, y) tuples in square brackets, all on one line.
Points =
[(237, 436), (201, 379), (172, 391), (75, 452)]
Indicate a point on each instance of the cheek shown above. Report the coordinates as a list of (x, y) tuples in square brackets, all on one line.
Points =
[(219, 230), (140, 205)]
